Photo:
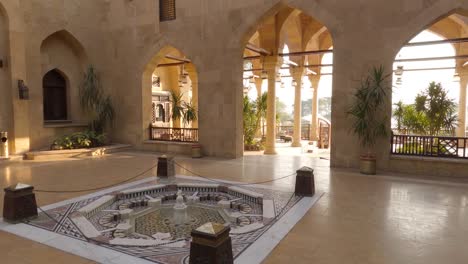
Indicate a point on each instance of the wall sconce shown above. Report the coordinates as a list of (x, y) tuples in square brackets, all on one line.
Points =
[(23, 90), (1, 64)]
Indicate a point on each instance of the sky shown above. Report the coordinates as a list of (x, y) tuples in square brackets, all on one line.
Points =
[(413, 82)]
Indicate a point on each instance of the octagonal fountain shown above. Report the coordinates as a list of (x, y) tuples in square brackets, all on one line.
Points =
[(162, 214)]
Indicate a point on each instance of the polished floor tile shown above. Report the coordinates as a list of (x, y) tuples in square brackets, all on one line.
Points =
[(360, 219)]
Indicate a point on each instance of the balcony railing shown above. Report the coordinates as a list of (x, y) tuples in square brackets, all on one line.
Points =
[(173, 134), (430, 146)]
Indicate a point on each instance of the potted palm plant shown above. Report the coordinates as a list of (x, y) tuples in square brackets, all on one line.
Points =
[(368, 113)]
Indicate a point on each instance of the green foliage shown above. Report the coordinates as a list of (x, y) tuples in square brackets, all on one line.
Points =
[(250, 121), (281, 114), (253, 113), (95, 103), (182, 110), (87, 139), (177, 106), (432, 113), (190, 113), (368, 109)]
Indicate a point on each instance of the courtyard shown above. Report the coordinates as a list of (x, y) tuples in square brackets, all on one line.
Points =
[(387, 218)]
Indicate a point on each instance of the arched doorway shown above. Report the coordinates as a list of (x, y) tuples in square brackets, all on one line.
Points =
[(54, 96), (170, 88), (282, 70), (429, 94)]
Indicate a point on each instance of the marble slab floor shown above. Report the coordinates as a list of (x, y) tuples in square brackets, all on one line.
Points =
[(361, 219)]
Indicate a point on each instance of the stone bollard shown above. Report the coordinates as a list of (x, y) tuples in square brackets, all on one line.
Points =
[(305, 182), (166, 167), (4, 145), (19, 203), (211, 243)]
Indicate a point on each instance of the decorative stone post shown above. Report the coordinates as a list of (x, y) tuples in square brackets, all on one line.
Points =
[(271, 66), (19, 203), (211, 244), (166, 167), (314, 80), (297, 74), (305, 182)]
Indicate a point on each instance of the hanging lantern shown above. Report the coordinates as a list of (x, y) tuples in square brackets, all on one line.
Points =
[(399, 81), (264, 75), (294, 83), (283, 85), (399, 70), (252, 80)]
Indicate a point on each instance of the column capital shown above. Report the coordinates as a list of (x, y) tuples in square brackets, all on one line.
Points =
[(272, 63), (297, 73)]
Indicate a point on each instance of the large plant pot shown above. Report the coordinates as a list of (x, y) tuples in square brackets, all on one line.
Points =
[(196, 151), (368, 165)]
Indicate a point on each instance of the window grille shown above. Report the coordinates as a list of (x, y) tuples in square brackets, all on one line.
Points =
[(167, 10)]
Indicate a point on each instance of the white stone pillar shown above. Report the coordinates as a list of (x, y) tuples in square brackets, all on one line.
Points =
[(314, 80), (258, 85), (462, 105), (271, 66), (297, 133)]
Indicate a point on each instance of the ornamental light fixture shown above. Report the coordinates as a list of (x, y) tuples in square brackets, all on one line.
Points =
[(399, 70)]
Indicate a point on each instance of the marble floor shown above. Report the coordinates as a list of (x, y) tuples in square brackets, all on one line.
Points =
[(360, 219)]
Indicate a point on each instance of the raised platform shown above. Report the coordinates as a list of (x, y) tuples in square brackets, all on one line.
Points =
[(46, 155)]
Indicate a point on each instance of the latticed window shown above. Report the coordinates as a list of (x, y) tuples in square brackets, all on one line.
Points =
[(167, 10)]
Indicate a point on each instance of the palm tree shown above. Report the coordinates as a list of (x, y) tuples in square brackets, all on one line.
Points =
[(261, 109), (190, 113), (398, 114), (177, 106), (94, 103)]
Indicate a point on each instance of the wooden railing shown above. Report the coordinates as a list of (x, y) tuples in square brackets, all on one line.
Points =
[(173, 134), (430, 146)]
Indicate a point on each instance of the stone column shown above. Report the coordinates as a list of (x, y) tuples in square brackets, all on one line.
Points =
[(297, 74), (194, 78), (314, 80), (462, 104), (271, 65), (258, 85)]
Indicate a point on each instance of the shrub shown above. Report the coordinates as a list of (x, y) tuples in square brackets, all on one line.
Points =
[(87, 139)]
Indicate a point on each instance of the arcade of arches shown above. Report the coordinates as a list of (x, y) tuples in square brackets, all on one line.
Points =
[(129, 56)]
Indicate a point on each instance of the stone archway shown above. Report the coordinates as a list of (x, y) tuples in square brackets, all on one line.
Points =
[(305, 37), (169, 74)]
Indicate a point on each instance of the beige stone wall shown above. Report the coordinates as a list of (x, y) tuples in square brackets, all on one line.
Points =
[(6, 108), (122, 38)]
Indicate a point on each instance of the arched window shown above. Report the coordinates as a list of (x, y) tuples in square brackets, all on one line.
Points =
[(160, 113), (54, 96)]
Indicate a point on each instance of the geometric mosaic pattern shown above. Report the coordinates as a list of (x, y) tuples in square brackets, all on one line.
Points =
[(177, 252)]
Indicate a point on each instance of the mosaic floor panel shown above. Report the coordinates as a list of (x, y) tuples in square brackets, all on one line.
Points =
[(149, 221)]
